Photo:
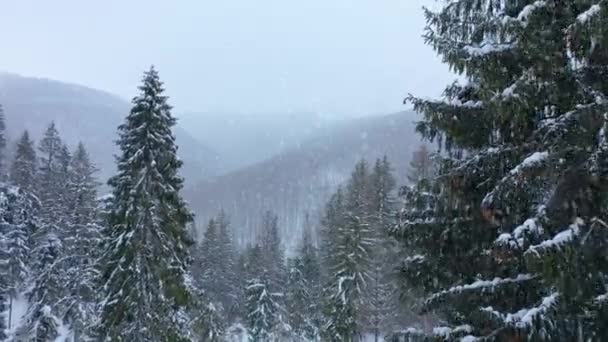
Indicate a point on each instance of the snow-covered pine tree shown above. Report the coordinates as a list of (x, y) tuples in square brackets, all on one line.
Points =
[(207, 323), (42, 317), (3, 140), (311, 272), (298, 301), (18, 214), (205, 266), (207, 320), (82, 240), (349, 252), (262, 311), (144, 267), (381, 299), (273, 253), (24, 167), (3, 306), (229, 278), (513, 233)]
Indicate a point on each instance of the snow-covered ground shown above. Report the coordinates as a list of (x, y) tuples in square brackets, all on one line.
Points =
[(19, 309)]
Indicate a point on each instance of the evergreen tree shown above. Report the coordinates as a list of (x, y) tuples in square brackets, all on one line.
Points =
[(511, 235), (145, 263), (381, 299), (42, 317), (18, 210), (299, 301), (349, 251), (262, 311), (48, 278), (311, 274), (207, 261), (3, 167), (229, 279), (23, 170), (81, 243), (273, 255)]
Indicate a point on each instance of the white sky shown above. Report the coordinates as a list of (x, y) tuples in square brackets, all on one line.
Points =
[(335, 57)]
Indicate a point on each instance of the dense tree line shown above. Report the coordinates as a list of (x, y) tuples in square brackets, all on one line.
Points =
[(500, 236)]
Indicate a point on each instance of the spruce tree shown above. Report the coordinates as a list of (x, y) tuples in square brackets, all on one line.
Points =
[(206, 261), (81, 244), (18, 214), (229, 279), (381, 299), (24, 167), (273, 253), (145, 263), (349, 252), (299, 299), (311, 274), (3, 141), (43, 314), (262, 310), (511, 235)]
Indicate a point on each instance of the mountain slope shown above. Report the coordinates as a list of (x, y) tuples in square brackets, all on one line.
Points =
[(88, 115), (299, 180), (261, 135)]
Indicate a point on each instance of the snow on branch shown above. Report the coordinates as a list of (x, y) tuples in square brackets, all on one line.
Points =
[(525, 317), (516, 238), (534, 160), (601, 299), (558, 240), (447, 332), (588, 14), (486, 48), (414, 259), (529, 9), (484, 285)]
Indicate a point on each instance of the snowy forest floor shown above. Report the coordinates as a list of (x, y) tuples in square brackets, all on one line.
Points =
[(19, 309)]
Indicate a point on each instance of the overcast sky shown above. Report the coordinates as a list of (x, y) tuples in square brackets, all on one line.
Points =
[(335, 57)]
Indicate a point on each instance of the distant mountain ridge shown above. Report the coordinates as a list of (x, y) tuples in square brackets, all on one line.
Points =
[(243, 139), (88, 115), (300, 180)]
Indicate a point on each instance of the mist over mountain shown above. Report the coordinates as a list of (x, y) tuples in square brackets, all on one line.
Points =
[(88, 115), (242, 139), (243, 163), (297, 181)]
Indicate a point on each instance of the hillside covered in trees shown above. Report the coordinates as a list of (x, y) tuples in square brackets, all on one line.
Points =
[(495, 229)]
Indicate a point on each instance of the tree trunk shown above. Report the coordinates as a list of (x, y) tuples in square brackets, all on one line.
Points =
[(10, 311)]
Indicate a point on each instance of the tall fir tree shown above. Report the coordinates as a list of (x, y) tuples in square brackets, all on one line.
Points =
[(43, 314), (24, 167), (229, 278), (18, 214), (206, 262), (381, 295), (273, 253), (349, 254), (81, 245), (311, 274), (511, 235), (207, 317), (3, 143), (145, 263), (262, 311)]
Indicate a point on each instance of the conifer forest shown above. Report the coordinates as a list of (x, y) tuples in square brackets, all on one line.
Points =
[(478, 212)]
